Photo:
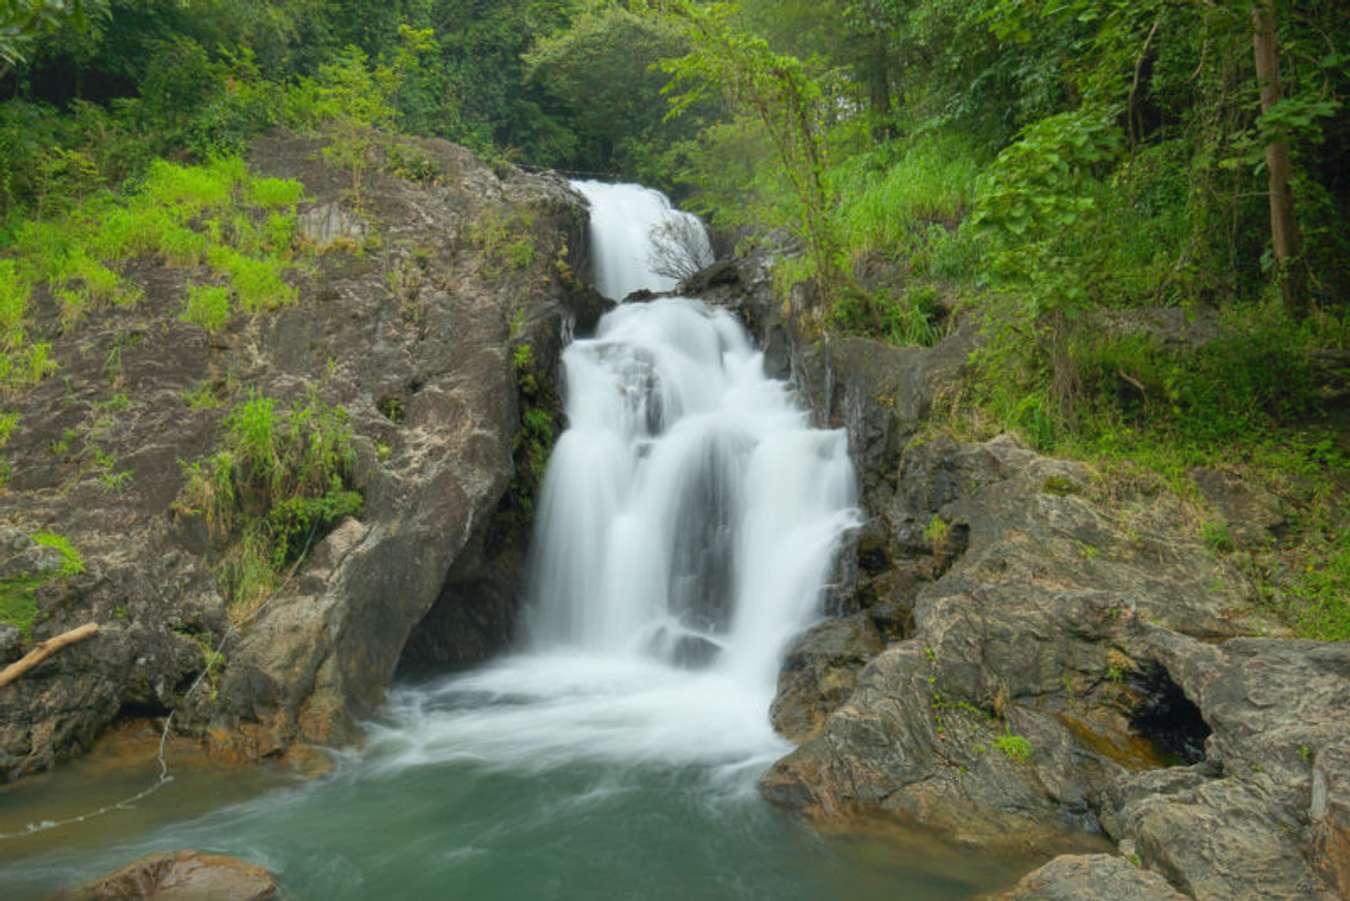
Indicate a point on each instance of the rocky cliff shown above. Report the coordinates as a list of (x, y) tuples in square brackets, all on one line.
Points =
[(431, 309), (1023, 645)]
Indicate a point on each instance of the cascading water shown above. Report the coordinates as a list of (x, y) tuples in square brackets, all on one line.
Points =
[(687, 526), (686, 529), (625, 222), (689, 510)]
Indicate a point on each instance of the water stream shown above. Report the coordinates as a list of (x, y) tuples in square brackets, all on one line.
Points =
[(686, 530)]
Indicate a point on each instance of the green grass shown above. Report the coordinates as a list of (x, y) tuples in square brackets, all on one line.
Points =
[(207, 306), (72, 564), (890, 198), (280, 480), (185, 215), (1014, 747), (275, 193), (18, 595), (1320, 593), (506, 239)]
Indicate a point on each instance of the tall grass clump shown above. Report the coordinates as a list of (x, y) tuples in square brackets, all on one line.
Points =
[(889, 198), (281, 479)]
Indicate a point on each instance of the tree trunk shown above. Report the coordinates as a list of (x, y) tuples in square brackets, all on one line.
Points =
[(1283, 225), (884, 127)]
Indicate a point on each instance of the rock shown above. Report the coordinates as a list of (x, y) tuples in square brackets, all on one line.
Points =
[(424, 364), (1242, 826), (324, 224), (694, 652), (1329, 814), (1253, 515), (181, 876), (1063, 652), (820, 672), (11, 644), (1090, 877)]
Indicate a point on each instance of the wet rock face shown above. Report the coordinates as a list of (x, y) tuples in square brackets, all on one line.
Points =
[(181, 876), (407, 322), (820, 672)]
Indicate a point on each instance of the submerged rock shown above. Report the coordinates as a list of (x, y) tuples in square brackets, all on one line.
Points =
[(181, 876)]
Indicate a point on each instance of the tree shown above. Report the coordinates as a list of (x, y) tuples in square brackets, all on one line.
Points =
[(679, 247), (1283, 225), (25, 22), (793, 108)]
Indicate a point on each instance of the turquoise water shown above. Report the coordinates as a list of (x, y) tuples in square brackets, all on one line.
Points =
[(443, 802)]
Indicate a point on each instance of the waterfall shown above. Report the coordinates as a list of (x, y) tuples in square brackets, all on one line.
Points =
[(686, 528), (689, 513), (624, 220)]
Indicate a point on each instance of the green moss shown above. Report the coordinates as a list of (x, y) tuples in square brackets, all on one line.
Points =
[(1059, 486), (935, 533), (18, 604)]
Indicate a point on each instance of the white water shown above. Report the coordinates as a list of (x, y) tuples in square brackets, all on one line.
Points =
[(623, 218), (687, 525)]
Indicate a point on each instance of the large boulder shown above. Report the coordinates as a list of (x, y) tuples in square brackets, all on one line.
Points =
[(411, 320), (1059, 648), (181, 876)]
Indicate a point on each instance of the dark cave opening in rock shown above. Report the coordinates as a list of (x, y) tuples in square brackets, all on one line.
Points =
[(141, 710), (1166, 717)]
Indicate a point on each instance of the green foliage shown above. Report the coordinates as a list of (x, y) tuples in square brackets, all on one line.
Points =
[(1014, 747), (72, 564), (892, 195), (505, 237), (790, 104), (183, 214), (18, 594), (207, 306), (279, 482), (935, 533)]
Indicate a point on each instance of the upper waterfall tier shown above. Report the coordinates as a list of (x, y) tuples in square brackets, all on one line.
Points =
[(625, 221)]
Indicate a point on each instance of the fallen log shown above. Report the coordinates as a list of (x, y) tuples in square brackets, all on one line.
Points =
[(43, 650)]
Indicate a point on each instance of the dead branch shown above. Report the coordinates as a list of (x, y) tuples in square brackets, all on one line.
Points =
[(43, 650)]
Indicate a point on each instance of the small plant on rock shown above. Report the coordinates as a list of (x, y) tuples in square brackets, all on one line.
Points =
[(281, 480), (1014, 747)]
